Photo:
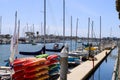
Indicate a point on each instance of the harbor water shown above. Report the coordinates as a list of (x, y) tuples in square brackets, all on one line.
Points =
[(105, 70), (5, 50)]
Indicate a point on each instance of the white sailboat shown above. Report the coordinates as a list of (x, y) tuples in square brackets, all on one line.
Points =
[(14, 40), (6, 72)]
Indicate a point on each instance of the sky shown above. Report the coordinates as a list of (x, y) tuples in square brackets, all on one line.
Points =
[(32, 12)]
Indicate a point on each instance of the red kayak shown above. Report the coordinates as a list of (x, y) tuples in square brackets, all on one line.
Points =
[(34, 62), (51, 62), (52, 57), (22, 63), (18, 74), (18, 63)]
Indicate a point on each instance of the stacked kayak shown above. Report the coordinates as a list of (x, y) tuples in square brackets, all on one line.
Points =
[(52, 62), (30, 69)]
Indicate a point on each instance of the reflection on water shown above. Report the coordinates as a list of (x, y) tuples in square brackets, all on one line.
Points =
[(104, 72)]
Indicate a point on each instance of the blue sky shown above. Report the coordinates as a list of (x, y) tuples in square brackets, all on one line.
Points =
[(31, 12)]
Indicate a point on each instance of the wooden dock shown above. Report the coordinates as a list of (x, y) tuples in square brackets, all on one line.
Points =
[(83, 71)]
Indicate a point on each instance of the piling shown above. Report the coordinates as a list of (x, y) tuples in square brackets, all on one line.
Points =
[(64, 63), (118, 60)]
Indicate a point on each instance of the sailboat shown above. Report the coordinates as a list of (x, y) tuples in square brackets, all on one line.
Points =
[(42, 51), (6, 71)]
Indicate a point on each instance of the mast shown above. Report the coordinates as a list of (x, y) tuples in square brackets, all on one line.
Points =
[(76, 32), (88, 29), (0, 23), (92, 30), (18, 27), (63, 22), (33, 29), (13, 41), (44, 21), (88, 36), (41, 28), (27, 28), (64, 59), (15, 22), (18, 31), (100, 36), (71, 33)]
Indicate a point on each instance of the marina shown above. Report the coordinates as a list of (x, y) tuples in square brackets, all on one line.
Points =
[(77, 70), (59, 40)]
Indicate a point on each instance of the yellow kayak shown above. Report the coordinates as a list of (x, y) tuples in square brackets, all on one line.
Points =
[(91, 48)]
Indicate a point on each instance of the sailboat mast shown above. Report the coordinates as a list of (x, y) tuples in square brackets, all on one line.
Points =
[(88, 28), (63, 21), (41, 28), (13, 44), (76, 32), (92, 30), (64, 59), (71, 33), (18, 27), (0, 23), (15, 22), (44, 21), (33, 29), (100, 36)]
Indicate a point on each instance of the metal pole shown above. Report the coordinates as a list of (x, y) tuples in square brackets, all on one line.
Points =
[(71, 33), (63, 22), (100, 35), (88, 35), (76, 33), (92, 30), (0, 23), (44, 21), (88, 28)]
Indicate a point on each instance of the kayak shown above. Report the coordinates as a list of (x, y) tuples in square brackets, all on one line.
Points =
[(18, 63), (54, 77), (42, 56), (19, 78), (35, 75), (43, 77), (51, 67), (91, 48), (35, 62), (51, 62), (53, 71), (35, 68), (52, 57), (18, 74)]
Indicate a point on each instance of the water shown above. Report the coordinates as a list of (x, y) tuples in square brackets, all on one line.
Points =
[(105, 70), (5, 50)]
